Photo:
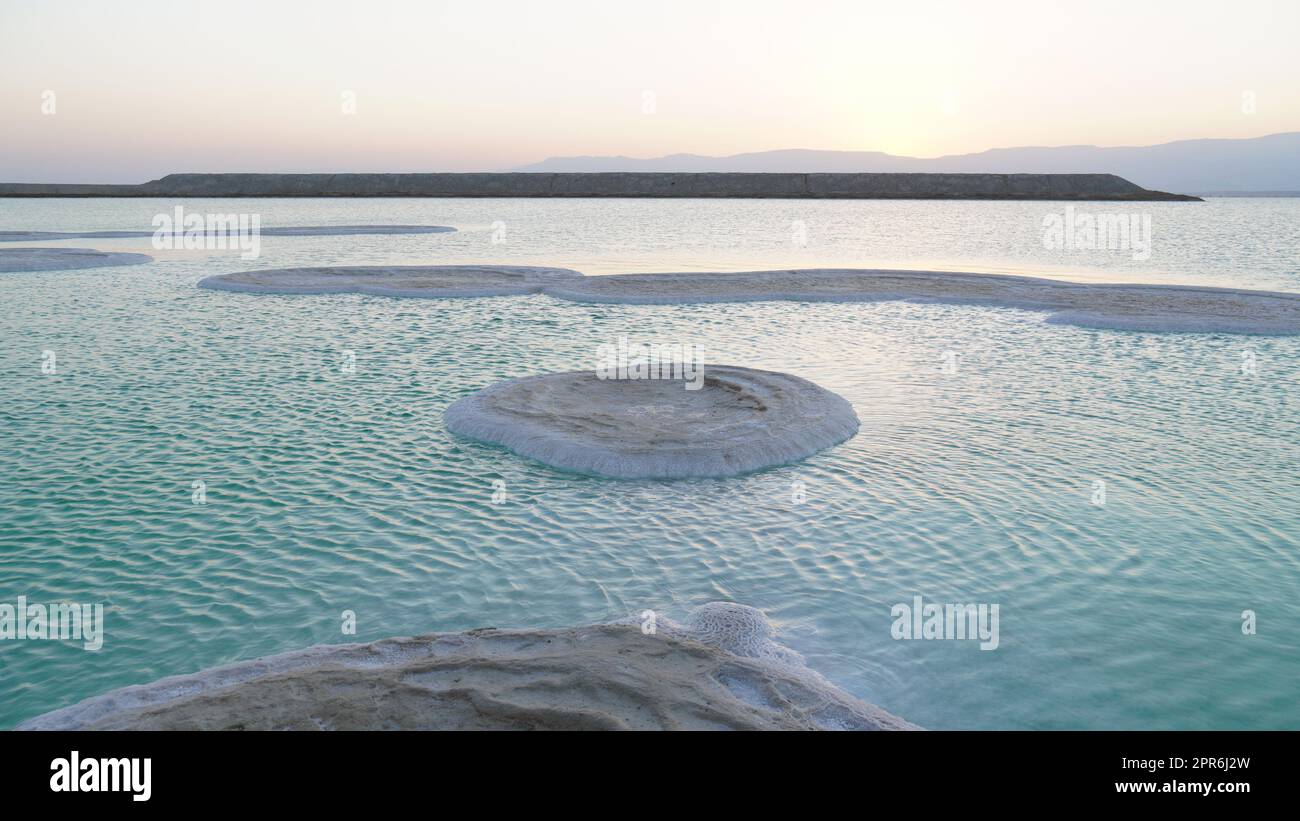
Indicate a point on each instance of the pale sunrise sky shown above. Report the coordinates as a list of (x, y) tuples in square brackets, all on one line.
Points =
[(149, 87)]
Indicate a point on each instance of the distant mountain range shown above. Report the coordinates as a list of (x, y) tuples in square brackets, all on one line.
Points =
[(1259, 164)]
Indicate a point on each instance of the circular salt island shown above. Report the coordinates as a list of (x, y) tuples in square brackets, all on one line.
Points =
[(737, 420)]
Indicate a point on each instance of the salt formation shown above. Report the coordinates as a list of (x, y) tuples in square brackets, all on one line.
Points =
[(1120, 306), (401, 281), (288, 231), (64, 259), (1157, 308), (739, 420), (719, 670)]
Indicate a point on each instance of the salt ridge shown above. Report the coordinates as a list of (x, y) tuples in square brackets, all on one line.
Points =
[(395, 280), (1131, 307), (287, 231)]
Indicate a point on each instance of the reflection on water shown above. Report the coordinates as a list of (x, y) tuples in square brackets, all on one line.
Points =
[(1234, 242), (973, 479)]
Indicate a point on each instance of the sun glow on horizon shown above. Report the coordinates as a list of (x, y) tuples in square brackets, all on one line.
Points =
[(237, 86)]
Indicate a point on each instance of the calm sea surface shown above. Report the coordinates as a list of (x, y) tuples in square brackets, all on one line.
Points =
[(329, 491)]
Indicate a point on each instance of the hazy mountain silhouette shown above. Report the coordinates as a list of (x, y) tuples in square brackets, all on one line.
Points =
[(1269, 163)]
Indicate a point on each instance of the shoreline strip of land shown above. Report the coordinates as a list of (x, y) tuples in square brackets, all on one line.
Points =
[(664, 185)]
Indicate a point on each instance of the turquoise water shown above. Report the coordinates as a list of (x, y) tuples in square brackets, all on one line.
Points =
[(331, 491)]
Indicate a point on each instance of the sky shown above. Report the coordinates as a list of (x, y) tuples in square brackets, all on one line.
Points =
[(130, 91)]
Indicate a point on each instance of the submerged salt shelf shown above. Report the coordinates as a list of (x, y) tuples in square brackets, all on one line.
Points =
[(720, 670), (14, 260), (409, 281), (1118, 306), (736, 420), (291, 231)]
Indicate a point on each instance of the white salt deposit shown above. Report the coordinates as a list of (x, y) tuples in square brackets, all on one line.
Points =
[(396, 281), (288, 231), (739, 420), (1119, 306), (721, 669), (1123, 307), (63, 259)]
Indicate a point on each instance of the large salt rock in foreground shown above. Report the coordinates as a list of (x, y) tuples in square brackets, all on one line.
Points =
[(719, 670), (395, 280), (64, 259), (738, 420)]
